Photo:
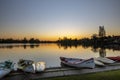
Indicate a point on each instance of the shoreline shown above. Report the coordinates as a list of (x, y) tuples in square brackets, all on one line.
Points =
[(58, 72)]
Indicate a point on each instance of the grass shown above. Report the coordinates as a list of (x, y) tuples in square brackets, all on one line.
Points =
[(107, 75)]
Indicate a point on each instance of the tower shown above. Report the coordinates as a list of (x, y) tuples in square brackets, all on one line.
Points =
[(102, 32)]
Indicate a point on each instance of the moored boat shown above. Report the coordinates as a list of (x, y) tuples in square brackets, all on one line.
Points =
[(4, 72), (40, 66), (31, 66), (98, 63), (5, 68), (23, 63), (117, 58), (105, 60), (78, 63)]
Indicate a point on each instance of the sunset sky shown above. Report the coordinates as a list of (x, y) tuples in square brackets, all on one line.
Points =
[(51, 19)]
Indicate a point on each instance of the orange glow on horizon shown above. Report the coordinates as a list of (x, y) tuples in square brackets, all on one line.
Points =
[(51, 37)]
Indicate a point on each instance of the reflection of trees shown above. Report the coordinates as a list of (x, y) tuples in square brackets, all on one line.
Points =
[(94, 46), (102, 52), (25, 46), (67, 46), (94, 50), (107, 42)]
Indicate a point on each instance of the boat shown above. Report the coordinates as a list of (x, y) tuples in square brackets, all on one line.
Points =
[(40, 66), (31, 66), (78, 63), (4, 72), (98, 63), (35, 67), (117, 58), (5, 68), (105, 60), (23, 63)]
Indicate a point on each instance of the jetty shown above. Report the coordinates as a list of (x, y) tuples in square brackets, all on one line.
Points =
[(58, 72)]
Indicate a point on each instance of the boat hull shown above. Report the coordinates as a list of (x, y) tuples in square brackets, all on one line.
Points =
[(31, 66), (40, 66), (4, 72), (78, 63), (115, 58), (98, 63), (105, 60)]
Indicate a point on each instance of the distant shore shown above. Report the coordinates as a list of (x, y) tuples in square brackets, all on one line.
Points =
[(107, 42)]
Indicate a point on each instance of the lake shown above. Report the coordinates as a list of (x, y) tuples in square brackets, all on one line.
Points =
[(50, 53)]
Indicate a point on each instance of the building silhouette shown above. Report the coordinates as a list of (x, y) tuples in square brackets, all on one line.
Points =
[(102, 32)]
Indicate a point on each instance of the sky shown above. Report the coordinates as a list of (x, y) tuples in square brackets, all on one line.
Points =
[(51, 19)]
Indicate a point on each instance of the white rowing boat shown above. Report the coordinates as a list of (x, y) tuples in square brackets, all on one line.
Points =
[(98, 63), (35, 67), (5, 68), (105, 60), (78, 63), (31, 66), (4, 72), (40, 66)]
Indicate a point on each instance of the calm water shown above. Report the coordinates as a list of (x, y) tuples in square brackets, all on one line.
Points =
[(49, 53)]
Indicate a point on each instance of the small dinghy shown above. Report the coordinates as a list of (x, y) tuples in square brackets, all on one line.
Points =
[(40, 66), (5, 68), (31, 66), (78, 63), (23, 63), (4, 72), (98, 63), (105, 60), (117, 58), (35, 67)]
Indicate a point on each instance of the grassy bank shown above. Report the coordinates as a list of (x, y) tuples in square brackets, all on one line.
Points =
[(108, 75)]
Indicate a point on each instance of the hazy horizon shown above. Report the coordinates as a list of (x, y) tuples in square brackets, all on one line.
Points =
[(51, 19)]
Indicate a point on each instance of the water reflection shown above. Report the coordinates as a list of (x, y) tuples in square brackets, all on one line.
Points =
[(10, 46), (68, 45), (50, 53), (102, 52), (32, 46), (95, 48)]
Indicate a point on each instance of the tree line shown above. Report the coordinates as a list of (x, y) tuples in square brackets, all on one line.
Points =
[(25, 40), (94, 40), (106, 42)]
